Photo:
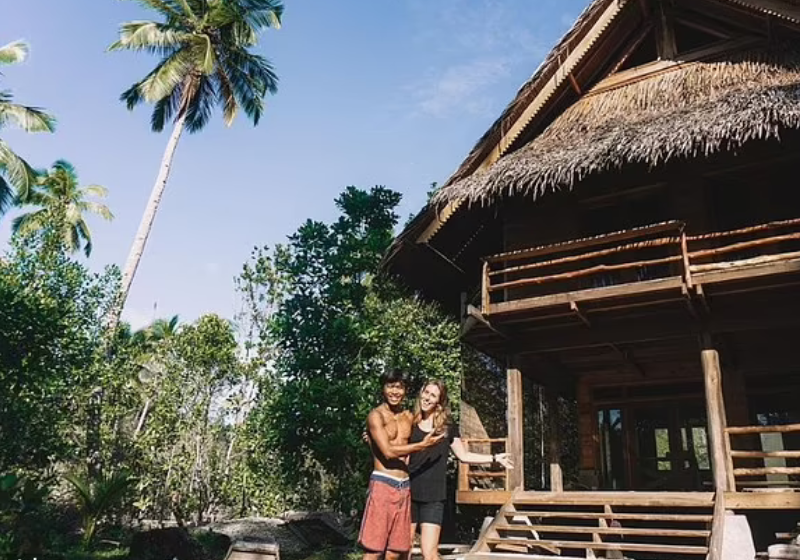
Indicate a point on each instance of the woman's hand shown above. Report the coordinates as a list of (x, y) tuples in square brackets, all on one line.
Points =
[(365, 437), (505, 460)]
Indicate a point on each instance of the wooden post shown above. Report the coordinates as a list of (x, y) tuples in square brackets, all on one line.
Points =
[(514, 413), (715, 407), (554, 441), (485, 300)]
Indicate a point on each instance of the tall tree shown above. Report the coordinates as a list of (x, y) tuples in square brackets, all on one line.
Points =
[(60, 198), (15, 173), (206, 61)]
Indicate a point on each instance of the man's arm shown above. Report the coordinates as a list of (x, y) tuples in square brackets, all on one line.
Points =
[(378, 435)]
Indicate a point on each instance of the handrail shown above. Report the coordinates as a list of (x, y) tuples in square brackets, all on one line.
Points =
[(717, 527), (736, 454), (587, 242), (465, 471)]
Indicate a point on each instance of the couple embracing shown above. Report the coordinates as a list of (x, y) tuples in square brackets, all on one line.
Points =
[(407, 487)]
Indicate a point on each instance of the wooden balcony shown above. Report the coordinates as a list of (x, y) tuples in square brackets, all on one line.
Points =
[(644, 263)]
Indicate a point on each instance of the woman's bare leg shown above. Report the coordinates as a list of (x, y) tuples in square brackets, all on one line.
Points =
[(429, 540)]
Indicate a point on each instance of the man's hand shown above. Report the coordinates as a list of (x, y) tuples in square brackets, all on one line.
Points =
[(505, 460), (432, 439)]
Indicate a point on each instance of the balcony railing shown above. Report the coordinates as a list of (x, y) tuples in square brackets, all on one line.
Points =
[(764, 456), (472, 478), (643, 260)]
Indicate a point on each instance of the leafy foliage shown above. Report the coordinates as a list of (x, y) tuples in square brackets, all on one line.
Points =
[(50, 309), (205, 59), (96, 498), (21, 502), (15, 173), (334, 326), (57, 194)]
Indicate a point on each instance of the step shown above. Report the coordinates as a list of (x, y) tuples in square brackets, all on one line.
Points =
[(683, 517), (623, 547), (683, 533), (630, 499)]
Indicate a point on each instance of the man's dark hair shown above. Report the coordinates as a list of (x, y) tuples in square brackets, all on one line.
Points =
[(394, 376)]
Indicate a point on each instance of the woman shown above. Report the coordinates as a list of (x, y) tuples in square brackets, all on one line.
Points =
[(428, 468)]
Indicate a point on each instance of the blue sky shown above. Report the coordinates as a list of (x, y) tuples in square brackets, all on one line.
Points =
[(390, 92)]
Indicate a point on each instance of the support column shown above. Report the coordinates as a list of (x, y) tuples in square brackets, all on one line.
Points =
[(715, 408), (554, 441), (514, 414)]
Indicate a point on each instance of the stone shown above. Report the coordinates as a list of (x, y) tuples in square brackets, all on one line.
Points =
[(173, 543), (737, 541)]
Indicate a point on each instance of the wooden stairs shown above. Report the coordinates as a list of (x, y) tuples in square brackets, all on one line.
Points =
[(635, 525)]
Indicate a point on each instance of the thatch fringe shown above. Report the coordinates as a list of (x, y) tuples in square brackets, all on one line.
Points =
[(696, 110)]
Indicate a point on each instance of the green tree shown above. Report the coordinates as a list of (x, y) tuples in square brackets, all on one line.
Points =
[(15, 173), (50, 310), (57, 193), (334, 326), (206, 61)]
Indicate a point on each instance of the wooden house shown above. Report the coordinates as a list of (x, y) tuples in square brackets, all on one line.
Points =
[(627, 234)]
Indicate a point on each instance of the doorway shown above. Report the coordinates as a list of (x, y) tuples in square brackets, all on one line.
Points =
[(655, 447)]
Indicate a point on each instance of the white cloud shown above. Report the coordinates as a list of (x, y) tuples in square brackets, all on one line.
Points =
[(474, 46), (461, 88)]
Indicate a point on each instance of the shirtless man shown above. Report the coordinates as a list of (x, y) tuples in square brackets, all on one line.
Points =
[(386, 527)]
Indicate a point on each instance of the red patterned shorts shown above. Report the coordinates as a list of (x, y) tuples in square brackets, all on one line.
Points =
[(387, 518)]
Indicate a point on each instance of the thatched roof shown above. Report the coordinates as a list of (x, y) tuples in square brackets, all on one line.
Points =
[(692, 110)]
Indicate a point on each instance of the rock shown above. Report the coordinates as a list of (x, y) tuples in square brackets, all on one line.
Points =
[(165, 544), (317, 529), (784, 552), (263, 530), (737, 538)]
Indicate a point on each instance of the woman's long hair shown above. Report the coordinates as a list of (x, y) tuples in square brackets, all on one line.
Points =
[(441, 413)]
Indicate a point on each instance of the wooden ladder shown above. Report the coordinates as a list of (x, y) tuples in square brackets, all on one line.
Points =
[(638, 525)]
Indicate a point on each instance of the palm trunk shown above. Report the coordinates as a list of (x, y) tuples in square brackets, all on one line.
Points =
[(146, 225)]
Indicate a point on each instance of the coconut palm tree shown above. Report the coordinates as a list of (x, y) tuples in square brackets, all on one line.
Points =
[(204, 46), (60, 198), (15, 173)]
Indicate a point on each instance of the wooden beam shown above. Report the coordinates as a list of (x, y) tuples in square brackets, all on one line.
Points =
[(665, 32), (716, 541), (715, 409), (514, 419), (554, 439)]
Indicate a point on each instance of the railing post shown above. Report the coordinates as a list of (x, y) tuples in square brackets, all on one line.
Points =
[(485, 289), (514, 415), (687, 270), (717, 423)]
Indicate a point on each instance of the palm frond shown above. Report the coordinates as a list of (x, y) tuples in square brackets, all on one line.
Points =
[(16, 171), (65, 167), (149, 36), (82, 488), (29, 119), (252, 77), (6, 195), (165, 109), (96, 190), (82, 231), (30, 222), (201, 105), (226, 96), (168, 75), (13, 53), (96, 208)]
